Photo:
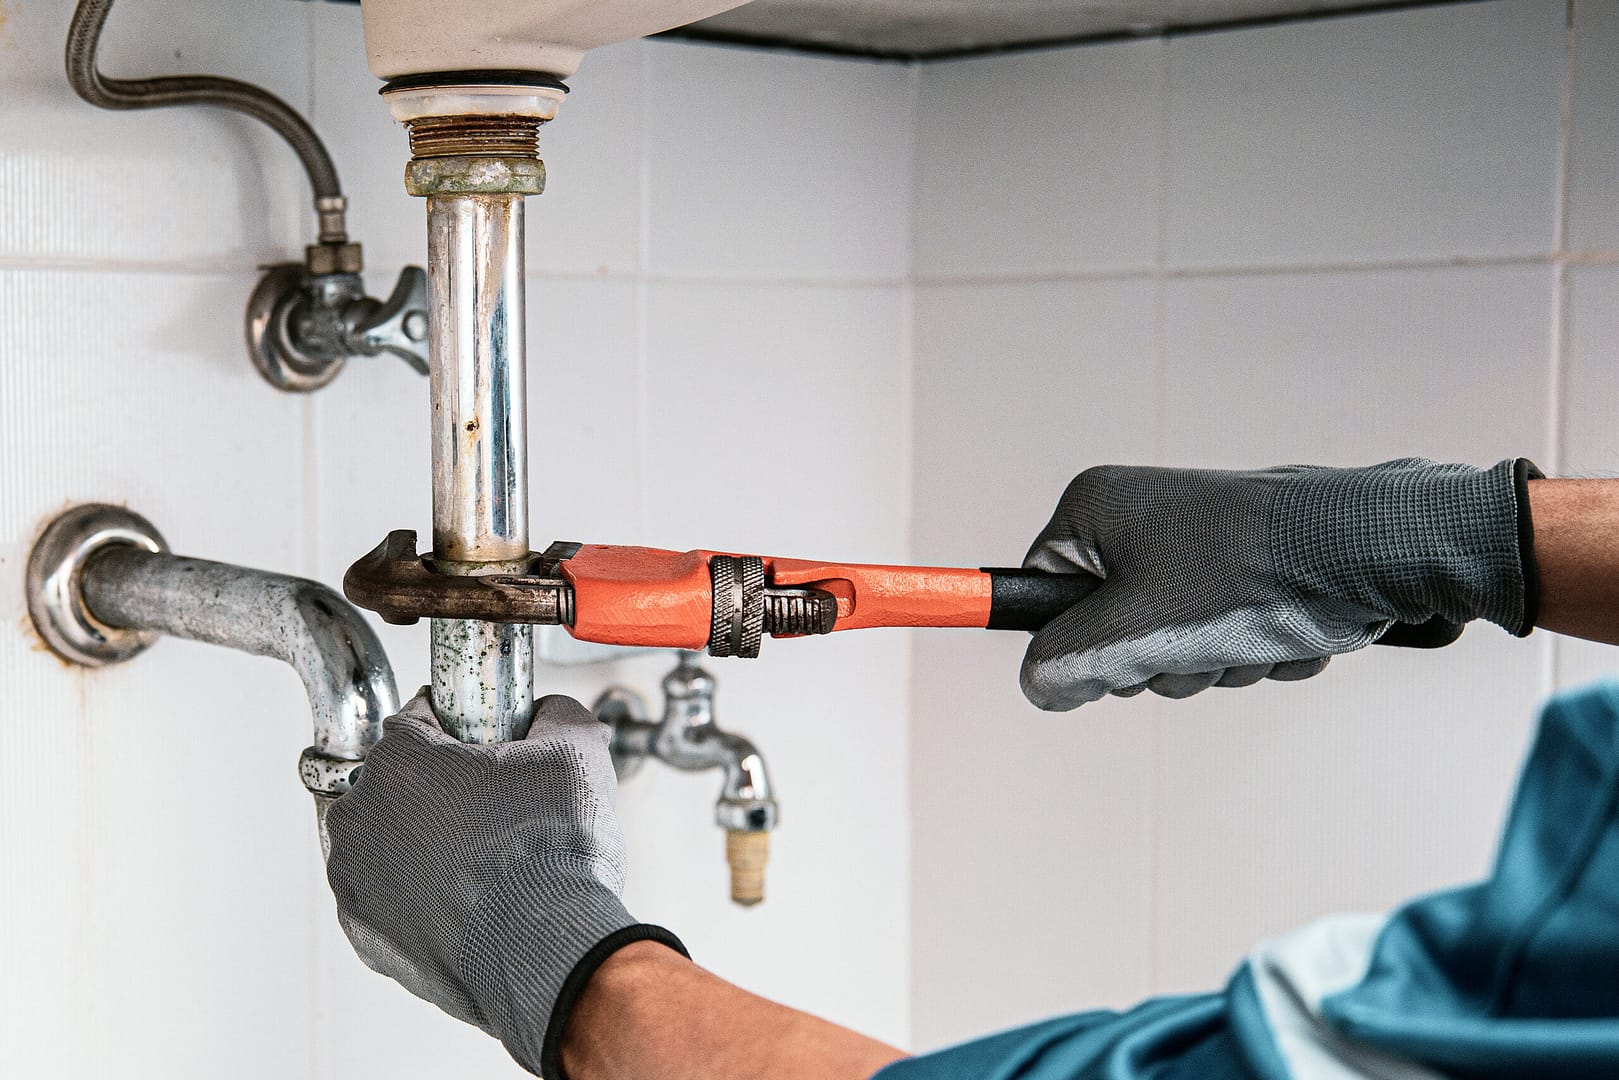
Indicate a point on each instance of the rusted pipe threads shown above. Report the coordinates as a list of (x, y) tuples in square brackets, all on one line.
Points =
[(475, 154), (499, 135)]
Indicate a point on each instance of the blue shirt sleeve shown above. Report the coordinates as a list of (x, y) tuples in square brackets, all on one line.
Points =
[(1178, 1038), (1516, 977)]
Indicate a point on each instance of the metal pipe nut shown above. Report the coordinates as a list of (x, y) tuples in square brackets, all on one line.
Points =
[(475, 176), (347, 258)]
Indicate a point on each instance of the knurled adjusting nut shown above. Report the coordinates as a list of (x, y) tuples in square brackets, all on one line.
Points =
[(738, 621), (333, 259), (475, 175)]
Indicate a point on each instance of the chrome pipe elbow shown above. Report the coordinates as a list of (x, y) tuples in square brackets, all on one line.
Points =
[(102, 585)]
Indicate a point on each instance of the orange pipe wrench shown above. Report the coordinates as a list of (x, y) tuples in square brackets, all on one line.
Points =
[(720, 601)]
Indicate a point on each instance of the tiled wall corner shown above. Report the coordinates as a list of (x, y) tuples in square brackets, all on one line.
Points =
[(807, 157), (1040, 163), (1022, 820), (1415, 135)]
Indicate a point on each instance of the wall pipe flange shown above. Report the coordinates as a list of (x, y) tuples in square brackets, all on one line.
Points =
[(55, 573), (272, 344)]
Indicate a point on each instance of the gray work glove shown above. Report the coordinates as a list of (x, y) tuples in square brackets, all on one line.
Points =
[(486, 879), (1224, 578)]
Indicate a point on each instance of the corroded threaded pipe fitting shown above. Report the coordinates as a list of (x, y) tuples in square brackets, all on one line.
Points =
[(504, 135), (747, 853), (475, 154)]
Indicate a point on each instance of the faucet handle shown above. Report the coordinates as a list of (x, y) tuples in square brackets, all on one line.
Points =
[(399, 324)]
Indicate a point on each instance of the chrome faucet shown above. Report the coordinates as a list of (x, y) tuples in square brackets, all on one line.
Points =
[(687, 738)]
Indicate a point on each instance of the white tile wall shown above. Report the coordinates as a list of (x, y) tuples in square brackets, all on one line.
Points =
[(1312, 790), (190, 188), (1087, 199), (809, 158), (764, 402), (126, 874), (1015, 382), (1425, 134), (1590, 434), (1350, 368), (1020, 819), (1593, 152)]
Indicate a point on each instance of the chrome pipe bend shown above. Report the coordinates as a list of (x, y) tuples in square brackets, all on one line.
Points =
[(102, 584), (303, 623)]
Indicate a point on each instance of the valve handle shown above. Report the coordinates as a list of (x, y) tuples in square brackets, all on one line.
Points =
[(304, 325), (399, 324)]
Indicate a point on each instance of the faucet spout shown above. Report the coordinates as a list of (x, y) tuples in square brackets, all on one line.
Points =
[(689, 739)]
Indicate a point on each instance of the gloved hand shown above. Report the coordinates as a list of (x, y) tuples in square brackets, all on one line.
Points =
[(486, 879), (1225, 578)]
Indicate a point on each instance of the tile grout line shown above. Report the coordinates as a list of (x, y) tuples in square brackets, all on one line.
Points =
[(1174, 273), (1160, 332), (908, 361), (1595, 257), (1554, 432), (643, 263)]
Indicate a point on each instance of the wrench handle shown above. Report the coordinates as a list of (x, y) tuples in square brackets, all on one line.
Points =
[(1029, 599)]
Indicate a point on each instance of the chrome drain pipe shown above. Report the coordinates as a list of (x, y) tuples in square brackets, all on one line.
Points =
[(102, 585), (474, 158), (483, 673)]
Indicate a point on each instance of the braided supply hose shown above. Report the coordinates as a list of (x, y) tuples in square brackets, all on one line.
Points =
[(83, 39)]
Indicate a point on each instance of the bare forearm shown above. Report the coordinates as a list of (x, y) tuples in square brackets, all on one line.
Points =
[(651, 1014), (1577, 548)]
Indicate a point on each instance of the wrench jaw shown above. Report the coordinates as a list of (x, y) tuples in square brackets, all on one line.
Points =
[(403, 587), (637, 597)]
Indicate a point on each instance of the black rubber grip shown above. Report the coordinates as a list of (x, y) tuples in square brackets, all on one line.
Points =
[(1028, 599)]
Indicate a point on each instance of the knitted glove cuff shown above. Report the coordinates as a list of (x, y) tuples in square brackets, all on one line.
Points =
[(527, 942), (1410, 540)]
